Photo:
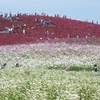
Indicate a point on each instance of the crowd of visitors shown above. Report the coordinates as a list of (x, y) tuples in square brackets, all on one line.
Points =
[(43, 22), (9, 15), (20, 27)]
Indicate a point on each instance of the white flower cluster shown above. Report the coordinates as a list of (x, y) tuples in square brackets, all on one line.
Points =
[(33, 81)]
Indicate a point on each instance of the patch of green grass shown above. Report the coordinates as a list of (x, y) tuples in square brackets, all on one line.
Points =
[(28, 83), (54, 67), (87, 93), (80, 68)]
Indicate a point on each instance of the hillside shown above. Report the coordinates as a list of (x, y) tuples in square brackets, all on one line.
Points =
[(32, 28)]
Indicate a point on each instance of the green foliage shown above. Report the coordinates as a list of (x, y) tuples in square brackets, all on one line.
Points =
[(46, 84), (54, 67), (61, 71), (80, 68), (87, 93), (25, 56)]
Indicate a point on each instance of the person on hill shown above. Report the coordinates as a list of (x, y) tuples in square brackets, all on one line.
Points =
[(95, 69), (3, 66), (86, 37), (17, 65), (68, 35), (24, 31), (78, 36)]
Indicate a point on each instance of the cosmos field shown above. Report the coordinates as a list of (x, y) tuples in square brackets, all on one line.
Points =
[(51, 70)]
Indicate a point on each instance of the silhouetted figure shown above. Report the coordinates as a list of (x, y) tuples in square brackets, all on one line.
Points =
[(95, 69), (3, 66), (17, 65)]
